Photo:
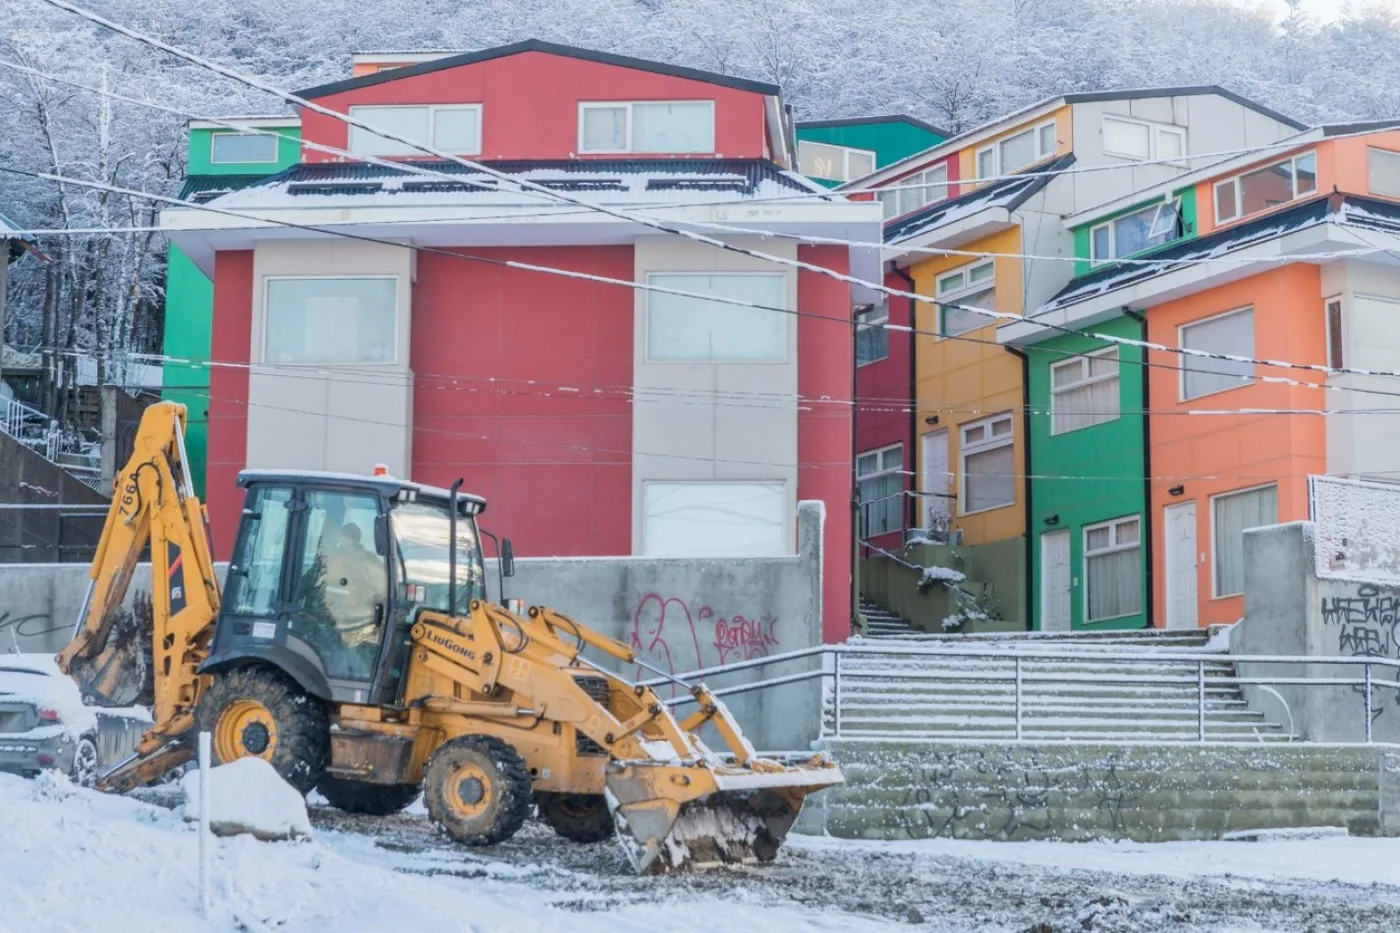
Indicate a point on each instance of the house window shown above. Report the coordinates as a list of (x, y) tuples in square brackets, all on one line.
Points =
[(1113, 569), (1140, 139), (1266, 187), (1016, 152), (872, 336), (712, 519), (455, 129), (1336, 359), (242, 147), (648, 126), (880, 479), (988, 458), (1376, 323), (1084, 391), (915, 191), (972, 286), (1232, 515), (1230, 334), (685, 329), (834, 163), (1132, 233), (1384, 172), (331, 320)]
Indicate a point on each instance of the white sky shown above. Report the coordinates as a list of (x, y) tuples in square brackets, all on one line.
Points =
[(1324, 11)]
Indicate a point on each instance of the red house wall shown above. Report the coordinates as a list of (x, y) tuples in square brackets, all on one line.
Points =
[(530, 105), (825, 363), (230, 342), (884, 395), (491, 348)]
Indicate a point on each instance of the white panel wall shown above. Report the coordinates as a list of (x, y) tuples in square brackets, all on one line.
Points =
[(1361, 445), (330, 417)]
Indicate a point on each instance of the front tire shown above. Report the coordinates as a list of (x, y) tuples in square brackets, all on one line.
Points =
[(84, 770), (580, 818), (366, 798), (477, 789), (258, 712)]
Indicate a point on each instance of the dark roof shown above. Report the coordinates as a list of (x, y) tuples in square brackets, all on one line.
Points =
[(1088, 97), (539, 45), (1009, 193), (202, 188), (865, 121), (17, 246), (1346, 129)]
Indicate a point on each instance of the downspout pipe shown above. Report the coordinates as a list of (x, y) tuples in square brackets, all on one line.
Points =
[(1148, 550), (1028, 570)]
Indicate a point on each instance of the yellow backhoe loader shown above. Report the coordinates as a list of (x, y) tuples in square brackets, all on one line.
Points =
[(354, 648)]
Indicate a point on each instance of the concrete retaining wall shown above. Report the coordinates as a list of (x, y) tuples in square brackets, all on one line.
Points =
[(996, 569), (681, 614), (1144, 793)]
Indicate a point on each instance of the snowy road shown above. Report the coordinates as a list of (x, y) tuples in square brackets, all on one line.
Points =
[(76, 860)]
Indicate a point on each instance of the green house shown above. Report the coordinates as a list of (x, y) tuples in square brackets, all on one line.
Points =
[(832, 152), (220, 159)]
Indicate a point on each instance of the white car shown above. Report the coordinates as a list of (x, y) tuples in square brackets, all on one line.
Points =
[(44, 724)]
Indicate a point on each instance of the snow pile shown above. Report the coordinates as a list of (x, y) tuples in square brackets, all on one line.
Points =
[(249, 796), (1356, 536), (36, 679), (946, 576)]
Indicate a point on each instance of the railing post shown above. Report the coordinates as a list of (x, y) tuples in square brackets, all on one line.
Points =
[(1368, 702), (1200, 701), (1018, 698), (836, 698)]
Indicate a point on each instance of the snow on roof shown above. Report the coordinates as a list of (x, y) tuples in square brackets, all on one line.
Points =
[(638, 181), (1009, 193)]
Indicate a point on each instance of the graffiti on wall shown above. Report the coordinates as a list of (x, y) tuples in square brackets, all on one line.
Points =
[(677, 635), (1365, 617)]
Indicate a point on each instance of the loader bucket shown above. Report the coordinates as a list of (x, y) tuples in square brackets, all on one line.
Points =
[(677, 817), (118, 673)]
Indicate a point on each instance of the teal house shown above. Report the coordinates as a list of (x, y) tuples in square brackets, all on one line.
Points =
[(220, 159), (832, 152)]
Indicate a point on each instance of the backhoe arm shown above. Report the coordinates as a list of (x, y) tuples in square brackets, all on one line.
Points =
[(149, 655)]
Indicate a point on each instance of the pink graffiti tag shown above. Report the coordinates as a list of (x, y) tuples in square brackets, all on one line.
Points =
[(742, 639), (652, 639)]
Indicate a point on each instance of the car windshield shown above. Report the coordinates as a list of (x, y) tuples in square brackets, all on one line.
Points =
[(422, 532)]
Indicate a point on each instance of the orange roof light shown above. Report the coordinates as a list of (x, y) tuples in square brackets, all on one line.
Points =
[(381, 469)]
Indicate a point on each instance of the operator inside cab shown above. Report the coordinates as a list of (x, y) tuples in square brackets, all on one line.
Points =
[(355, 582)]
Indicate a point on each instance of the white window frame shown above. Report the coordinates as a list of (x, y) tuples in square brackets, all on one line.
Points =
[(1155, 132), (1385, 155), (1237, 191), (361, 111), (1114, 547), (967, 288), (877, 315), (1082, 362), (880, 473), (845, 158), (1210, 504), (652, 274), (266, 294), (998, 168), (989, 442), (276, 149), (1162, 209), (627, 130), (1181, 342), (911, 192)]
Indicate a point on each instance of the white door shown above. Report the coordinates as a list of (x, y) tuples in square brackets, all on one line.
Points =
[(1054, 581), (1181, 565), (935, 509)]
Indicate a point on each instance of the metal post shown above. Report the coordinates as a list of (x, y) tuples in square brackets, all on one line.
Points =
[(1200, 701), (204, 846), (1018, 698), (836, 698), (1368, 702)]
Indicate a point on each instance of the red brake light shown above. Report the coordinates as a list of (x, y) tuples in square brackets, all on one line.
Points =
[(48, 715)]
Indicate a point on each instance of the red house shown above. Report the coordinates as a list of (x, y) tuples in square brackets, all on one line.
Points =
[(458, 324)]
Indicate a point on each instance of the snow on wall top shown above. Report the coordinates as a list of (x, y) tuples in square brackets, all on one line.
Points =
[(1357, 535)]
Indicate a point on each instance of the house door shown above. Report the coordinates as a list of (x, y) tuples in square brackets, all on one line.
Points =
[(1054, 582), (1181, 565), (934, 510)]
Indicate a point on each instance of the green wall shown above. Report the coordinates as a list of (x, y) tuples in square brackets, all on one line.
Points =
[(890, 140), (1081, 234), (1098, 471), (288, 153)]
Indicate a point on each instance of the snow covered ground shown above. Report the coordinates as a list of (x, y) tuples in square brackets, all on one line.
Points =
[(76, 860)]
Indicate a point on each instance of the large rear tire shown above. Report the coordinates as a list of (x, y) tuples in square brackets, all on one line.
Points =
[(366, 798), (477, 789), (580, 818), (259, 712)]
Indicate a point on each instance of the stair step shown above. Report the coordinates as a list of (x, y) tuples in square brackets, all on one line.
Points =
[(1064, 736)]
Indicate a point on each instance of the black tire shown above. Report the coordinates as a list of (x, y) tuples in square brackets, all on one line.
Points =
[(582, 818), (477, 790), (85, 760), (363, 797), (260, 712)]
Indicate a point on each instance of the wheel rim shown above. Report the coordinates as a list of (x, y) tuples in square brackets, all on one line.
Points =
[(470, 792), (245, 729)]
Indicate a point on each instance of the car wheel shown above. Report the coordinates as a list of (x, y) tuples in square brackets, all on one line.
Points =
[(84, 770)]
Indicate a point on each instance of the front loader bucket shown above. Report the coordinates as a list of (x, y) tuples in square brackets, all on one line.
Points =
[(681, 816)]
